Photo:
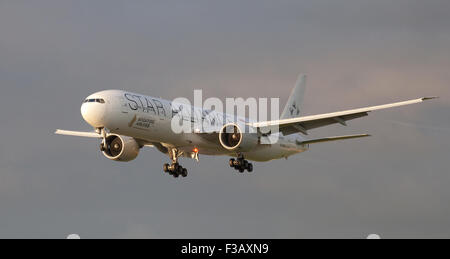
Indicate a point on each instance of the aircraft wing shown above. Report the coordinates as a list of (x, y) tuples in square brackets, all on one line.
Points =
[(303, 124), (94, 135), (78, 133)]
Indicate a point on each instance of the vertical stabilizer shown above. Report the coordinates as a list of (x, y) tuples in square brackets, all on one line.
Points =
[(294, 104)]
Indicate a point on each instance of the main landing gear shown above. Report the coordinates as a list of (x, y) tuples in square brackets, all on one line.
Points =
[(102, 132), (175, 169), (240, 164)]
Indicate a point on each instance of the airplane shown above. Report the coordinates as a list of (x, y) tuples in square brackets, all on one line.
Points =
[(125, 122)]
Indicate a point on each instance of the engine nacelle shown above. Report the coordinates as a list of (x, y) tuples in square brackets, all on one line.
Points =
[(231, 137), (121, 148)]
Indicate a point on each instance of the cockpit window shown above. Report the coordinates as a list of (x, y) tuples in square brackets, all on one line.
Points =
[(94, 101)]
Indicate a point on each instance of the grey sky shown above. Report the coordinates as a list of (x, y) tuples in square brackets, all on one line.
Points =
[(55, 53)]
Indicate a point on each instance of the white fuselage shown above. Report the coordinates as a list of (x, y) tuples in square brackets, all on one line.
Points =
[(148, 120)]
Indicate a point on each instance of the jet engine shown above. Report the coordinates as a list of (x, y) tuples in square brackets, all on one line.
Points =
[(232, 138), (121, 148)]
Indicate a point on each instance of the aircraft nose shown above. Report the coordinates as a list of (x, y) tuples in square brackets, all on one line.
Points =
[(93, 112)]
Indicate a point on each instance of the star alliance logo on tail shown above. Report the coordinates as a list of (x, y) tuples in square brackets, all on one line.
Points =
[(295, 111)]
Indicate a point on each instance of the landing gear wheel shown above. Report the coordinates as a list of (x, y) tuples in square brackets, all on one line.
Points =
[(245, 164), (232, 162), (175, 170), (175, 167), (240, 164), (250, 168), (236, 164), (184, 172)]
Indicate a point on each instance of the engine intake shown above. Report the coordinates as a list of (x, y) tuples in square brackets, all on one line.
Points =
[(232, 138), (121, 148)]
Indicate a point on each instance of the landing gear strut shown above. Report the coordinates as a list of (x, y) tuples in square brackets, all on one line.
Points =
[(175, 169), (102, 132), (240, 164)]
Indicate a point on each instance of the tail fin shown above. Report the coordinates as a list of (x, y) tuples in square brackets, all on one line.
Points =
[(295, 101)]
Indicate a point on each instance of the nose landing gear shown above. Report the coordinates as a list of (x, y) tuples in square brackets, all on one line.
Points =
[(240, 164)]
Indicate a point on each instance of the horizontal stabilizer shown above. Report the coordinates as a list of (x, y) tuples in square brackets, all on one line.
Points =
[(321, 140), (78, 133)]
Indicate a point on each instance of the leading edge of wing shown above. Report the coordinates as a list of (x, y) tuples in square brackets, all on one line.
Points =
[(143, 143), (337, 114), (78, 133)]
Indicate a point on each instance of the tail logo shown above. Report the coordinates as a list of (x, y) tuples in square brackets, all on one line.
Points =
[(294, 109)]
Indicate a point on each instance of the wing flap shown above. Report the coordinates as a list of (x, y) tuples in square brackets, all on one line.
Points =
[(288, 129)]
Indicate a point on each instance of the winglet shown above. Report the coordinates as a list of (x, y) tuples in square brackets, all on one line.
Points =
[(430, 98)]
